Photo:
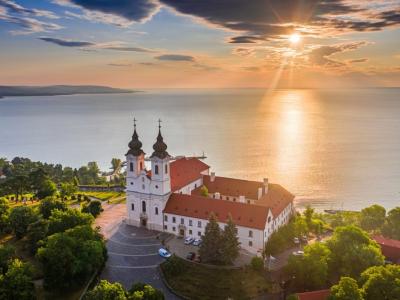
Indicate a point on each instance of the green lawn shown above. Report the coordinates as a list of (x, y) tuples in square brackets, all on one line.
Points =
[(104, 195), (200, 282)]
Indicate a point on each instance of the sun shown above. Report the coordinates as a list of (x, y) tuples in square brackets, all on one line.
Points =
[(294, 38)]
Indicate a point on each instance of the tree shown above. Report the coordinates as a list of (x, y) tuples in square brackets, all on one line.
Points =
[(308, 215), (37, 231), (4, 214), (6, 253), (67, 189), (20, 218), (60, 221), (381, 282), (230, 243), (280, 240), (70, 257), (115, 164), (47, 189), (352, 251), (173, 266), (346, 289), (372, 218), (210, 248), (49, 204), (94, 208), (309, 271), (17, 282), (142, 291), (257, 263), (300, 227), (391, 228), (107, 291), (204, 191)]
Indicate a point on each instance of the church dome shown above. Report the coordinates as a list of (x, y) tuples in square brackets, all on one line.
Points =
[(160, 147), (135, 146)]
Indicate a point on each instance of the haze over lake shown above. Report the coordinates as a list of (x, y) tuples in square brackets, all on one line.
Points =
[(330, 148)]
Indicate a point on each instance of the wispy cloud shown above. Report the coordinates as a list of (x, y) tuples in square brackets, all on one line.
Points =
[(116, 46), (175, 57)]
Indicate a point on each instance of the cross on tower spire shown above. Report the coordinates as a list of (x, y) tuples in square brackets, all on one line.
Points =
[(134, 123), (159, 124)]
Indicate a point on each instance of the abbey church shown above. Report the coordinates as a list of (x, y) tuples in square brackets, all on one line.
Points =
[(171, 197)]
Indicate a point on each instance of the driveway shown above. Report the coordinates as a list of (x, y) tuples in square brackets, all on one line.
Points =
[(133, 257)]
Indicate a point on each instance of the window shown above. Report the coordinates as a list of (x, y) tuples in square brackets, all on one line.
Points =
[(190, 223), (142, 186), (132, 206), (131, 183), (131, 167), (165, 227), (156, 186), (166, 218), (173, 220), (182, 221), (141, 165), (199, 224), (199, 233), (269, 219), (173, 228), (156, 169), (234, 199), (195, 185), (166, 169), (250, 243), (143, 206), (250, 233), (156, 210), (190, 231)]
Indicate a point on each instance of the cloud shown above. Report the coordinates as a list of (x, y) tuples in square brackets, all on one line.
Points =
[(175, 57), (116, 46), (245, 39), (117, 12), (147, 64), (206, 67), (358, 60), (321, 56), (120, 64), (244, 51), (13, 7)]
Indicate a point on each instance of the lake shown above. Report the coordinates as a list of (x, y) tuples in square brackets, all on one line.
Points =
[(331, 148)]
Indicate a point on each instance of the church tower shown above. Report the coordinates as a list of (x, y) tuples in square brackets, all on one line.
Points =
[(135, 161), (160, 167)]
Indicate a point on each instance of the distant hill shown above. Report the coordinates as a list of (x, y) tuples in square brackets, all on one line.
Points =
[(54, 90)]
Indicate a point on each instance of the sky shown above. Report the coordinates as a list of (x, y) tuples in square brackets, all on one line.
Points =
[(201, 43)]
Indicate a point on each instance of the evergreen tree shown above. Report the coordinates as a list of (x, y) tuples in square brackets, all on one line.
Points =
[(210, 249), (230, 242)]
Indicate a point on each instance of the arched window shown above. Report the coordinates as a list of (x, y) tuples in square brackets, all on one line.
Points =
[(131, 166), (166, 169), (156, 210), (156, 169), (141, 165), (250, 233), (143, 206)]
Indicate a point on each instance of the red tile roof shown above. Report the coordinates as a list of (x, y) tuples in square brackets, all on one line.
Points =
[(390, 248), (277, 198), (314, 295), (186, 170), (232, 186), (247, 215)]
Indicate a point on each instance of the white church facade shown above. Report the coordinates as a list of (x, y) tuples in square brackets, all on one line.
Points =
[(169, 197)]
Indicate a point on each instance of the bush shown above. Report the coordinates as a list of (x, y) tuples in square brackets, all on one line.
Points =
[(17, 282), (60, 221), (107, 291), (257, 263), (49, 204), (94, 208), (20, 218), (173, 266)]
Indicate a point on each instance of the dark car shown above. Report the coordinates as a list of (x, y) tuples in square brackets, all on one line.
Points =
[(191, 256)]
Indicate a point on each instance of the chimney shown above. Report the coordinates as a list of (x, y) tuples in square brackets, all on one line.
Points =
[(260, 192), (265, 186), (217, 195), (212, 177), (242, 199)]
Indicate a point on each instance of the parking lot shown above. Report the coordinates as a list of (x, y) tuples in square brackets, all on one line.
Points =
[(133, 256)]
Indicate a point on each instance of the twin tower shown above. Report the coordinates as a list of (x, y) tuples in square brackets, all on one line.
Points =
[(147, 191)]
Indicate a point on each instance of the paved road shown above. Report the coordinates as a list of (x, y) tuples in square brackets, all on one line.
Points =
[(133, 256)]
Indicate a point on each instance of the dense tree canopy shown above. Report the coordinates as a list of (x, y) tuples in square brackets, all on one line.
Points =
[(381, 282), (70, 257), (391, 228), (352, 251), (107, 291), (20, 218), (17, 282), (4, 214), (230, 242), (346, 289), (47, 205), (94, 208), (60, 221), (372, 217)]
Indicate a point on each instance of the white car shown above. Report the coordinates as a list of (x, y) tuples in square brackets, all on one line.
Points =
[(298, 253), (164, 253), (189, 240), (197, 242)]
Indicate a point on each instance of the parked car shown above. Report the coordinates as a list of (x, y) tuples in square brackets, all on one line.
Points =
[(191, 256), (164, 253), (298, 253), (296, 240), (197, 242), (189, 240)]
